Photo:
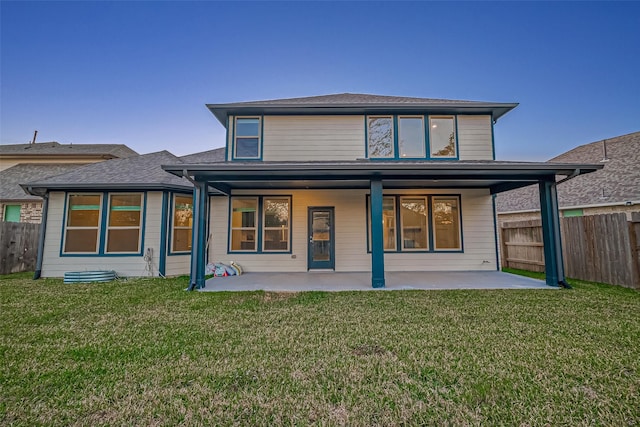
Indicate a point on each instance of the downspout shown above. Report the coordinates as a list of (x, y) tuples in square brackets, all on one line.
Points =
[(43, 230)]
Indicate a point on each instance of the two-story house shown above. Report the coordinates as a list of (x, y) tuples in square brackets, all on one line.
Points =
[(342, 183)]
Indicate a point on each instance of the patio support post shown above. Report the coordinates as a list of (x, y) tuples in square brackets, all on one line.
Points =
[(553, 263), (377, 242), (196, 280)]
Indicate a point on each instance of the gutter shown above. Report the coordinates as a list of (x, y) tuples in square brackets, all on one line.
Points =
[(43, 230), (567, 178)]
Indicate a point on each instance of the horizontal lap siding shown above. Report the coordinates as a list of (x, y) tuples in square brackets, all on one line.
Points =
[(305, 138), (474, 137), (178, 265), (54, 265), (477, 234), (351, 234)]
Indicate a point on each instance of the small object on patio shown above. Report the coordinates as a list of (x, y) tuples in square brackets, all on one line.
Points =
[(90, 276), (209, 269), (236, 267)]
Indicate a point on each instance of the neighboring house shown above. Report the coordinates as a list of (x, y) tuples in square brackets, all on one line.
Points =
[(616, 188), (28, 162), (15, 204), (54, 152), (342, 182)]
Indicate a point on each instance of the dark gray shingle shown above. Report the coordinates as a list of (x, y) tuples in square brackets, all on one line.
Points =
[(618, 182), (56, 149), (11, 178), (140, 172), (212, 156)]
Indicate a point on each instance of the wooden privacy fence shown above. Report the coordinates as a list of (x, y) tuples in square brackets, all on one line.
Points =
[(18, 246), (597, 248)]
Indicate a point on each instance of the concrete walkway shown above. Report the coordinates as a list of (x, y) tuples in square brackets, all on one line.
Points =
[(333, 282)]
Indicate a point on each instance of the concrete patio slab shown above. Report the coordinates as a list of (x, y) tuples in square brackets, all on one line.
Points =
[(335, 282)]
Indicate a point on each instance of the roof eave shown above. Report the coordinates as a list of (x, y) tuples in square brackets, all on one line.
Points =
[(496, 110), (36, 188)]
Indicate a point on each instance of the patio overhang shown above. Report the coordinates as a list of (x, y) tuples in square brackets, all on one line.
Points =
[(377, 176), (497, 176)]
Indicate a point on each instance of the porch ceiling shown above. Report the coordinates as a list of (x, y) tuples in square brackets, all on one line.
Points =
[(498, 176)]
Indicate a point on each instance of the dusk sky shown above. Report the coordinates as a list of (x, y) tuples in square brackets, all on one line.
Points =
[(140, 73)]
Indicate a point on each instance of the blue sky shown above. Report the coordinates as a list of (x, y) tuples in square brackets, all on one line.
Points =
[(139, 73)]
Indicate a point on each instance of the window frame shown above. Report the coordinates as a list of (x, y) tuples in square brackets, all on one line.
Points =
[(259, 239), (255, 227), (102, 233), (6, 209), (423, 135), (402, 238), (394, 143), (98, 228), (434, 199), (123, 227), (429, 198), (235, 137), (172, 226), (265, 228), (454, 117), (426, 126)]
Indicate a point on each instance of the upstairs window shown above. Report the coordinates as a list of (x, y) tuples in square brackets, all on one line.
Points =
[(247, 138), (442, 136), (411, 137), (380, 137)]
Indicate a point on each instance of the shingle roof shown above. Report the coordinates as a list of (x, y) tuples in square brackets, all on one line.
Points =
[(212, 156), (56, 149), (358, 103), (618, 182), (140, 172), (11, 178), (357, 98)]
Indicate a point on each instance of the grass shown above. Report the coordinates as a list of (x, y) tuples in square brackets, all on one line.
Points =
[(145, 352)]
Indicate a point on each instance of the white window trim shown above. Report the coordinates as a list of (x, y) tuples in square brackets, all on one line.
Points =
[(127, 227), (236, 137), (98, 227)]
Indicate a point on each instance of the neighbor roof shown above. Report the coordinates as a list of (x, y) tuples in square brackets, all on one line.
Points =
[(211, 156), (357, 103), (11, 178), (618, 182), (141, 172), (56, 149)]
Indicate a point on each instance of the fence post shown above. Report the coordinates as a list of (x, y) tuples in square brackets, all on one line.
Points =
[(634, 238)]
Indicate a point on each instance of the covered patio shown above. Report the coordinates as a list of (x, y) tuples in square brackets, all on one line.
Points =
[(375, 177), (395, 281)]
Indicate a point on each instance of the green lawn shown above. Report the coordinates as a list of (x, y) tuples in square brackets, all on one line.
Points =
[(146, 352)]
